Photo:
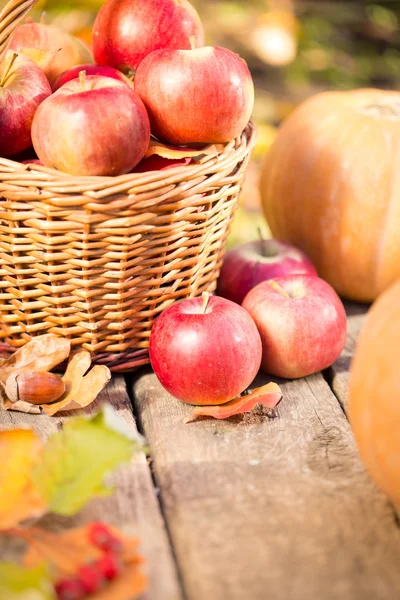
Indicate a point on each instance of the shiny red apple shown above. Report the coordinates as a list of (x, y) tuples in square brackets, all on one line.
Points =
[(302, 323), (126, 31), (92, 126), (205, 351), (249, 264), (50, 47), (204, 95), (73, 73), (23, 87)]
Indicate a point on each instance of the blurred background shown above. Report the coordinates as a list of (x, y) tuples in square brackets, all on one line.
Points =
[(294, 48)]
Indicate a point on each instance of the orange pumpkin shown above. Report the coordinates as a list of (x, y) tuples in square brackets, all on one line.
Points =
[(331, 185), (374, 393)]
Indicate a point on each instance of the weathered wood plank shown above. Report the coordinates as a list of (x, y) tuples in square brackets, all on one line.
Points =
[(271, 508), (134, 507), (338, 374)]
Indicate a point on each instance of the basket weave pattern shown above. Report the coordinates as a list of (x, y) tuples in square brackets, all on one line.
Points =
[(96, 259)]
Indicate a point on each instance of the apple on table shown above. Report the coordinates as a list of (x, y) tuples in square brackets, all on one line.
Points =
[(302, 324), (253, 262), (205, 350)]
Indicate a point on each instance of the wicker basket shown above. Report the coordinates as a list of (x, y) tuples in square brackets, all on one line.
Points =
[(96, 259)]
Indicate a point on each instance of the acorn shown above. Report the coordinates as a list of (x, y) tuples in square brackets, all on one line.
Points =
[(37, 387)]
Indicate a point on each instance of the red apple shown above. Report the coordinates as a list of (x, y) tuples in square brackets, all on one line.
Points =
[(204, 95), (126, 31), (50, 47), (302, 323), (23, 86), (205, 351), (249, 264), (73, 73), (92, 126)]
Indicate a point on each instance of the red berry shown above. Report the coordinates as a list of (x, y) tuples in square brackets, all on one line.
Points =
[(70, 589), (101, 536), (109, 565), (91, 578)]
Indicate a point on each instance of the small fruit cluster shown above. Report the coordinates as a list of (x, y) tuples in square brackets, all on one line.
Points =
[(92, 577), (87, 119), (290, 322)]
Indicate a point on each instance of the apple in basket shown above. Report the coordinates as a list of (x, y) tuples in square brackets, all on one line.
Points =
[(50, 47), (205, 350), (23, 86), (203, 95), (91, 126), (302, 323), (125, 31), (249, 264), (73, 73)]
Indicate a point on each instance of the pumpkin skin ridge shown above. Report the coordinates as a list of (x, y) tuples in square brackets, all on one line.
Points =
[(374, 393), (362, 257)]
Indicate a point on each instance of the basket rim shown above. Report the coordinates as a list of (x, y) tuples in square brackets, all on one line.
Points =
[(11, 170)]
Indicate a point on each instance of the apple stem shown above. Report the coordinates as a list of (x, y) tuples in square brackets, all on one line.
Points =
[(82, 79), (279, 289), (192, 39), (206, 297), (43, 18), (264, 242), (8, 69)]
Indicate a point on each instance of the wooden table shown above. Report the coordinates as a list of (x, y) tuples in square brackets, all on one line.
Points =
[(251, 508)]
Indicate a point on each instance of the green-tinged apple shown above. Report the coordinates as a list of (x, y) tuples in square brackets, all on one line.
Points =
[(126, 31), (92, 126), (50, 47), (203, 95), (23, 87), (205, 350), (73, 73), (249, 264), (302, 323)]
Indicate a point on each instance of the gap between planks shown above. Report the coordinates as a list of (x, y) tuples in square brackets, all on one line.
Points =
[(133, 507), (271, 508)]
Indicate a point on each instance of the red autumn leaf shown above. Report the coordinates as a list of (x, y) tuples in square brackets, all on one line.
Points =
[(269, 395), (160, 163)]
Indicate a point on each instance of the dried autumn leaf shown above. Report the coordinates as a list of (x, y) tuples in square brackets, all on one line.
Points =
[(43, 353), (75, 460), (80, 389), (67, 551), (269, 395), (168, 151), (20, 449), (18, 583)]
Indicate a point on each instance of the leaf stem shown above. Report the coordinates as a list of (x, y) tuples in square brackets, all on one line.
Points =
[(8, 69), (206, 297), (279, 289), (192, 40), (82, 79)]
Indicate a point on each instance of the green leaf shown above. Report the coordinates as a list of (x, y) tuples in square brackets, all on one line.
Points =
[(18, 583), (76, 460)]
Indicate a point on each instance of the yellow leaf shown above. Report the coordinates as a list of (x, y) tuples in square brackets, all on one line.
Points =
[(80, 389), (19, 450)]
